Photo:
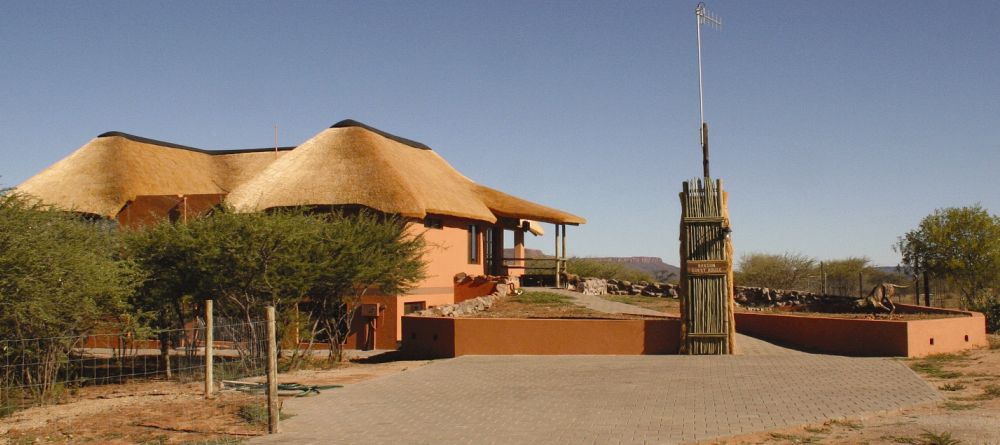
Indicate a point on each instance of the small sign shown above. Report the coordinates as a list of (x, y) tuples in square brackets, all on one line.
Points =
[(709, 267), (370, 310)]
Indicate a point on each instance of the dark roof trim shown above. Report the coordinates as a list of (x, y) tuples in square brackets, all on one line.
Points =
[(185, 147), (353, 123)]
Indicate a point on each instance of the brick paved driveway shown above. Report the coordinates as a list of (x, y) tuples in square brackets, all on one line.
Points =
[(602, 399)]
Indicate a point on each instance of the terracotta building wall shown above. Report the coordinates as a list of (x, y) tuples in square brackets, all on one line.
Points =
[(437, 337)]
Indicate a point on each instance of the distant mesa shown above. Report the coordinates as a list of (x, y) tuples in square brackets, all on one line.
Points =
[(651, 264)]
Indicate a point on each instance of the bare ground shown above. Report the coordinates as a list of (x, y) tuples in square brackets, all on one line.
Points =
[(161, 412), (970, 414)]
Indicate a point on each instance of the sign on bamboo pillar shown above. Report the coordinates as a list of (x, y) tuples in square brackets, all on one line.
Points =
[(707, 321)]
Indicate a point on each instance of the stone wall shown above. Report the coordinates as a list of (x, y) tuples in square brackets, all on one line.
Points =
[(663, 290), (470, 306), (762, 297)]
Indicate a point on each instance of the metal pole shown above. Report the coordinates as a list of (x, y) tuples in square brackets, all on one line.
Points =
[(701, 95), (703, 16), (209, 349), (272, 373)]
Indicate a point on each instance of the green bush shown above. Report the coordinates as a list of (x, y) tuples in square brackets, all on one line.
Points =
[(991, 310), (60, 275)]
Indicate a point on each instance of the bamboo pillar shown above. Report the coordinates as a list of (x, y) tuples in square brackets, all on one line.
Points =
[(708, 322)]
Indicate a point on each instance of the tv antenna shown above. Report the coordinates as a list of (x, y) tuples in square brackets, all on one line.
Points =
[(704, 17)]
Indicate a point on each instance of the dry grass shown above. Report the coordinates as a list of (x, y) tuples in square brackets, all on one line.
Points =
[(540, 305)]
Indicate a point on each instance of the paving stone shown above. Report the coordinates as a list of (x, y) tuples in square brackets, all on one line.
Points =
[(603, 399), (610, 399)]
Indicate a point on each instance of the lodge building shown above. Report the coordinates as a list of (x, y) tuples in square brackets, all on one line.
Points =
[(138, 181)]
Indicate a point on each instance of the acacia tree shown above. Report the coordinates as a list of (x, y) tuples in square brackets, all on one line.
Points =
[(60, 275), (786, 271), (281, 258), (961, 245), (355, 256)]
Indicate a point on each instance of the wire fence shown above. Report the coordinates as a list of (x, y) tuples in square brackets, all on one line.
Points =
[(39, 371)]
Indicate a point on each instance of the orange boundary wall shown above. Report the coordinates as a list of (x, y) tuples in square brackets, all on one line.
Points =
[(861, 337), (437, 337)]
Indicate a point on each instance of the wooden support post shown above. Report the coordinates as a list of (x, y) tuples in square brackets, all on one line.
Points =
[(209, 349), (272, 373), (165, 354), (558, 284), (563, 241), (704, 149), (562, 253), (519, 248)]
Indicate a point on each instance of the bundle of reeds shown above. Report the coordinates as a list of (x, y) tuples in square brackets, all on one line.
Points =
[(707, 320)]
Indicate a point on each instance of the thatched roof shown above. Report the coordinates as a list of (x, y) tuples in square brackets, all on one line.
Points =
[(346, 164), (113, 168)]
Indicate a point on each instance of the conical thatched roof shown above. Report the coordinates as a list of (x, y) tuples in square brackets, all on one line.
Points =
[(347, 164)]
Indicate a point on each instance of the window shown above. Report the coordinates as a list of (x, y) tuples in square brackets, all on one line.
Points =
[(433, 223), (415, 306), (473, 244)]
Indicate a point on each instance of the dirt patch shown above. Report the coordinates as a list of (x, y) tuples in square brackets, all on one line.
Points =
[(162, 412), (969, 384), (666, 305), (538, 305)]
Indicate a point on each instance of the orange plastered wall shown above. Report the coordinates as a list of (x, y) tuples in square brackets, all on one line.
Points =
[(438, 337), (447, 254)]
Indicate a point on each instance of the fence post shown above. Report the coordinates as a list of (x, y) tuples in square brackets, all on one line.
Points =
[(209, 349), (822, 272), (861, 285), (272, 374)]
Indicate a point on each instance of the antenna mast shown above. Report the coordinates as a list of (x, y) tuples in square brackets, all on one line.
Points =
[(703, 16)]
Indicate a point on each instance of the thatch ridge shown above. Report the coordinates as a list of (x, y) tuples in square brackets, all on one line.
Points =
[(143, 140), (353, 123)]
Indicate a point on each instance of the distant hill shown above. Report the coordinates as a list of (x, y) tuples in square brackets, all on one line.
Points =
[(649, 264)]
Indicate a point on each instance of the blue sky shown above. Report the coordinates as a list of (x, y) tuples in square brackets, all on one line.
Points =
[(836, 126)]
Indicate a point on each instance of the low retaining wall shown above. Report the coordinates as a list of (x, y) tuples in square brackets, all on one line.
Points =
[(862, 337), (433, 337)]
